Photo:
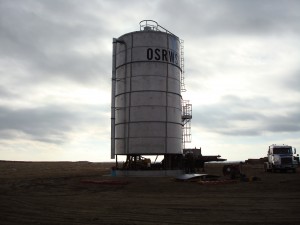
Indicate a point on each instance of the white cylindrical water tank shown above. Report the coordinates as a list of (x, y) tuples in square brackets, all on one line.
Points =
[(147, 97)]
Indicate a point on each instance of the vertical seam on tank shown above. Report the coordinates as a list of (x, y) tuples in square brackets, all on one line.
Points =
[(113, 107), (125, 98), (181, 99), (130, 89), (167, 89)]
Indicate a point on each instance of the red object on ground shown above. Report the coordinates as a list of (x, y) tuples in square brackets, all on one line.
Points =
[(218, 182), (108, 182)]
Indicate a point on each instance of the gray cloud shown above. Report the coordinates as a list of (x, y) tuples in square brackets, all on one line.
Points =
[(278, 124), (67, 44), (51, 123), (46, 37), (292, 82), (5, 93), (206, 18), (246, 117)]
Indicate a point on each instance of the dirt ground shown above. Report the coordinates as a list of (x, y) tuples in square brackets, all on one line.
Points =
[(70, 193)]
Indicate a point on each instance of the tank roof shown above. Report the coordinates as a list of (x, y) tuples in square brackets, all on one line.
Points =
[(147, 25)]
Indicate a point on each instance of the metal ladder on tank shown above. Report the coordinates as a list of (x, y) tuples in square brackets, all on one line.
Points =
[(182, 84), (186, 122)]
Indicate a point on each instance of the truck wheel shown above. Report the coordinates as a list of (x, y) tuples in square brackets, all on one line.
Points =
[(266, 167), (273, 169)]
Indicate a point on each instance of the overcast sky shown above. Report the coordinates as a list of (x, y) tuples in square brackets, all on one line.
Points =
[(242, 74)]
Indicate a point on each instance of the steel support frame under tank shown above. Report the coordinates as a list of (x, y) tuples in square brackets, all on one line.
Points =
[(170, 166), (141, 162)]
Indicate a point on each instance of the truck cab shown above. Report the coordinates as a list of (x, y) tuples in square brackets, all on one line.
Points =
[(280, 157)]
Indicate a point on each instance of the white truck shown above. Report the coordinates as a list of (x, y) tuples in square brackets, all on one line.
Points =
[(281, 158)]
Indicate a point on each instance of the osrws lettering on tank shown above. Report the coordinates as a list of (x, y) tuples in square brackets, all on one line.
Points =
[(162, 55)]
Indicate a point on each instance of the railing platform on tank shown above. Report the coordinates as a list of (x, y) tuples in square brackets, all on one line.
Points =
[(186, 111), (186, 122), (146, 25)]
